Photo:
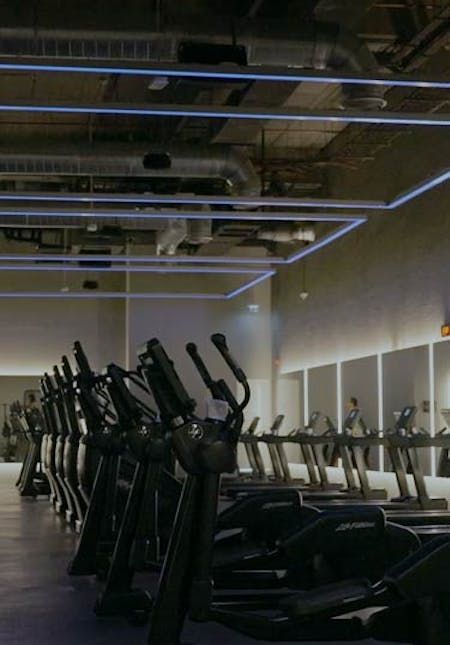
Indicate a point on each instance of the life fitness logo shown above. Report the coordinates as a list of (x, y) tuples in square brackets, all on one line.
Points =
[(196, 432)]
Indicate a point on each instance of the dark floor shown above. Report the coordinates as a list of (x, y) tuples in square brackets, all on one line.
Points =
[(39, 603)]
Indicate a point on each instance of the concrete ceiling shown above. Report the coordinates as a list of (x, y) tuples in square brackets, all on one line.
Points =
[(289, 158)]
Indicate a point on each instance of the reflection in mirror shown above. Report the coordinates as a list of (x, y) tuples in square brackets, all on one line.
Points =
[(359, 381), (290, 403), (406, 382), (442, 401), (322, 391), (13, 444)]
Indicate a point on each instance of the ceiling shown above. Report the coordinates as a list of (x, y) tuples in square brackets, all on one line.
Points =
[(263, 162)]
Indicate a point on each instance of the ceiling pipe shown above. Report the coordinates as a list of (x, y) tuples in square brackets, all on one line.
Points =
[(168, 240), (287, 234), (315, 45), (201, 162)]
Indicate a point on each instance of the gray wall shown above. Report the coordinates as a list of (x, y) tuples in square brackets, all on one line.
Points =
[(249, 335), (35, 333), (322, 391), (384, 286), (359, 379)]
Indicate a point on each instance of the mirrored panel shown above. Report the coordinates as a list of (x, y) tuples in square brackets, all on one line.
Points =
[(290, 403), (360, 383), (322, 391), (442, 401), (406, 383), (24, 389)]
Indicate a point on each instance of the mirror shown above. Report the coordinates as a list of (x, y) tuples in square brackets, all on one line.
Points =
[(322, 391), (359, 380), (442, 400), (13, 445), (406, 382)]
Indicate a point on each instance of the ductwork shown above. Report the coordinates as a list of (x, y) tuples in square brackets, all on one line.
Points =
[(225, 162), (168, 240), (287, 234), (213, 161), (316, 45)]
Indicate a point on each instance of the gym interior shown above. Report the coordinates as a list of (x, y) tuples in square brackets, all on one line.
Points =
[(265, 185)]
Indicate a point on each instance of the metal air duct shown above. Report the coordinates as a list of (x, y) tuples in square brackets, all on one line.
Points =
[(315, 45), (228, 163), (287, 234)]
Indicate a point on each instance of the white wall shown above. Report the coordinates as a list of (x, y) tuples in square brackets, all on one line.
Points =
[(36, 332), (384, 286), (176, 322)]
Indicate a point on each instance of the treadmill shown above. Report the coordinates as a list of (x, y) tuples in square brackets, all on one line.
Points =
[(323, 490), (281, 477), (427, 516), (443, 468)]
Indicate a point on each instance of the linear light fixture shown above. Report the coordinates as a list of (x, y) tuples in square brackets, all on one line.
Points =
[(271, 74), (227, 112), (202, 215), (264, 275), (163, 259), (114, 295), (129, 269), (419, 190), (251, 202), (249, 285), (327, 239)]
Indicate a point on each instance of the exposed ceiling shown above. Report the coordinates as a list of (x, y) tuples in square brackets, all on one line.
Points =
[(66, 153)]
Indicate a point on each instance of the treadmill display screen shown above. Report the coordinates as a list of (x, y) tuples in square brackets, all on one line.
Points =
[(407, 416), (351, 418)]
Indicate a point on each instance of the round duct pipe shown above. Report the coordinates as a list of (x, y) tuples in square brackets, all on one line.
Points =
[(315, 45), (287, 234)]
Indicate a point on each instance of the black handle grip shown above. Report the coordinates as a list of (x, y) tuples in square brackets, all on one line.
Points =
[(192, 350), (220, 342), (67, 368), (81, 359)]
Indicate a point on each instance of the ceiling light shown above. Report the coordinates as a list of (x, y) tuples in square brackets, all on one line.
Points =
[(269, 74), (227, 112)]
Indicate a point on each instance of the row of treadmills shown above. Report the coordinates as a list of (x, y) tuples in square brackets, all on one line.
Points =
[(403, 443)]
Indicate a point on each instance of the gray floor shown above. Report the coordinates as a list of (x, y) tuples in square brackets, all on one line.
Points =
[(39, 603)]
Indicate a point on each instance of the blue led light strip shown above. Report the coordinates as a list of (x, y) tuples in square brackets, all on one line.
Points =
[(237, 73), (324, 241), (111, 295), (246, 287), (202, 215), (221, 112), (128, 269), (255, 202), (419, 190), (160, 259)]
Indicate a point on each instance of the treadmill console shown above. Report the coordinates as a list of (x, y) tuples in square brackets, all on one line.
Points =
[(351, 419), (313, 420), (446, 415), (406, 418)]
